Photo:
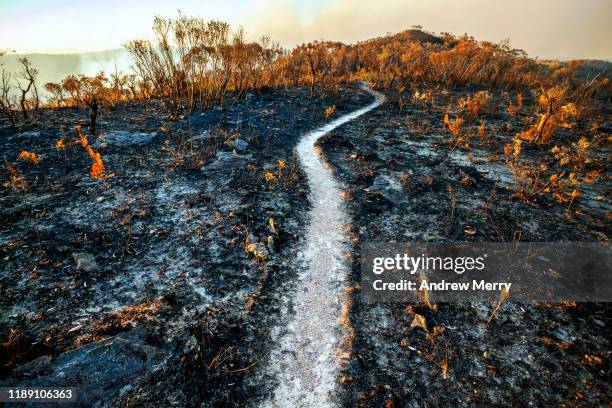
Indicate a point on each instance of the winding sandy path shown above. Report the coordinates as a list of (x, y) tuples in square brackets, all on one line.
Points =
[(305, 363)]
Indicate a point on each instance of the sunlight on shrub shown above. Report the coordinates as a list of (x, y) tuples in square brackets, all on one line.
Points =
[(29, 157), (97, 170), (473, 104), (453, 126), (15, 181), (269, 177)]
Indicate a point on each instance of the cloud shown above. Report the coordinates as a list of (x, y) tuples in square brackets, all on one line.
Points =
[(544, 28)]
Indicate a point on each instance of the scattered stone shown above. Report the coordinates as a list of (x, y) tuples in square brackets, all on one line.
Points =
[(389, 189), (99, 370), (32, 369), (30, 134), (85, 262), (205, 135), (224, 155), (240, 145), (562, 335), (271, 244), (261, 251), (138, 228), (225, 160), (191, 345), (124, 138), (123, 391), (605, 128)]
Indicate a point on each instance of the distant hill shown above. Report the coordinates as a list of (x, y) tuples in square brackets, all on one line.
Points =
[(54, 67), (590, 68), (584, 68), (417, 35), (408, 36)]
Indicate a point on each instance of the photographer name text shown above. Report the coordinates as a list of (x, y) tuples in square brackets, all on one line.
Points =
[(406, 285)]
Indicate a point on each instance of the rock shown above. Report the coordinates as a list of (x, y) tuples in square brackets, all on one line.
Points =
[(30, 134), (138, 228), (100, 371), (271, 244), (380, 183), (125, 138), (224, 155), (86, 262), (605, 128), (240, 145), (226, 160), (202, 136), (152, 353), (32, 369), (191, 345), (389, 189), (261, 251), (562, 335), (123, 391)]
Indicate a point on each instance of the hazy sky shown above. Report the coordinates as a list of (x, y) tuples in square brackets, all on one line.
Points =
[(544, 28)]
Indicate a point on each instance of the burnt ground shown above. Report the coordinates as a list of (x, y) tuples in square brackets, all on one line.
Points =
[(159, 285), (143, 290), (405, 182)]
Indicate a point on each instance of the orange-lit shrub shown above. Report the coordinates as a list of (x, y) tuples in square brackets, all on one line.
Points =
[(82, 90), (543, 131), (208, 62), (453, 126), (97, 170), (15, 181), (561, 178), (269, 177), (475, 103), (481, 130), (511, 110), (424, 96), (30, 157)]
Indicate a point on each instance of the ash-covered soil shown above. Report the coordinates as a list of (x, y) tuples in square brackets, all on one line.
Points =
[(404, 182), (160, 285), (157, 286)]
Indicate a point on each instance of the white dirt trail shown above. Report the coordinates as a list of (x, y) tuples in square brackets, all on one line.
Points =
[(305, 362)]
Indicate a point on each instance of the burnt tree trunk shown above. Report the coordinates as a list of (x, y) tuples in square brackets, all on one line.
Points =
[(93, 115), (11, 117), (24, 110)]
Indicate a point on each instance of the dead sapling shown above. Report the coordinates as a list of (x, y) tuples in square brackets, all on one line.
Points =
[(28, 74), (503, 295), (6, 104)]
